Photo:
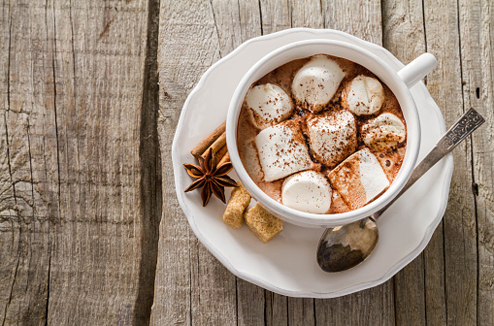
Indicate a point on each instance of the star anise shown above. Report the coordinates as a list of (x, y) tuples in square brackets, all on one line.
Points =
[(210, 177)]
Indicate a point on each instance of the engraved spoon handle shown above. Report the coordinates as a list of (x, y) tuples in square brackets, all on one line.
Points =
[(467, 123)]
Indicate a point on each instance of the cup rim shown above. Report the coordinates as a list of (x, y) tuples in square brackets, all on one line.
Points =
[(324, 220)]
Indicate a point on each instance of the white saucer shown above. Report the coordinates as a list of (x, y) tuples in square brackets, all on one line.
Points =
[(287, 265)]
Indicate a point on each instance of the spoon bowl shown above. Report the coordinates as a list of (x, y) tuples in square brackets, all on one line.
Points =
[(346, 246)]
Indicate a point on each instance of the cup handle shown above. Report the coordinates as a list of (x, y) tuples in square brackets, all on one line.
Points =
[(417, 69)]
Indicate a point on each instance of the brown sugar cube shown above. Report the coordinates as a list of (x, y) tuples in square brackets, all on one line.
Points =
[(237, 204), (262, 223)]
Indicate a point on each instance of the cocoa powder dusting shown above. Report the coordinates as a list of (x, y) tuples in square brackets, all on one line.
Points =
[(282, 76)]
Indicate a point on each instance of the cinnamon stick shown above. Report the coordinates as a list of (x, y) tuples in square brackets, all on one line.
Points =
[(209, 140), (221, 153), (226, 158), (217, 145)]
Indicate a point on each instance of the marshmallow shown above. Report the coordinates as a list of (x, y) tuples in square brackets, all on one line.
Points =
[(317, 81), (332, 137), (282, 150), (338, 205), (384, 132), (391, 161), (307, 191), (364, 95), (268, 105), (359, 179)]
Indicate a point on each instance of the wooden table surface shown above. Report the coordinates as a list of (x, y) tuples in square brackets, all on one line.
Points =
[(91, 232)]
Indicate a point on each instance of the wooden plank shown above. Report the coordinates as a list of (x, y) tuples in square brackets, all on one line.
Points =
[(192, 287), (476, 24), (307, 13), (238, 22), (30, 148), (359, 18), (301, 312), (376, 306), (460, 243), (276, 15), (74, 84), (276, 311), (369, 307), (403, 35), (97, 249), (251, 304), (181, 282)]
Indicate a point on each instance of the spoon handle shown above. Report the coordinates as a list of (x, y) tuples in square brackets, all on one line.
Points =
[(467, 123)]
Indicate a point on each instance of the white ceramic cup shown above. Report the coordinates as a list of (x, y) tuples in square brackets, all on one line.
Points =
[(398, 82)]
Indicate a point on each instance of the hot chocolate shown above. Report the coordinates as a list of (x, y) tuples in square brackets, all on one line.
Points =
[(321, 135)]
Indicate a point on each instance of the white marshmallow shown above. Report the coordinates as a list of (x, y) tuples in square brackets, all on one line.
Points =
[(282, 151), (365, 95), (317, 82), (332, 137), (359, 179), (372, 176), (384, 132), (307, 191), (269, 104)]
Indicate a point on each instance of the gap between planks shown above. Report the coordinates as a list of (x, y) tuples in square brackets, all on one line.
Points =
[(150, 169)]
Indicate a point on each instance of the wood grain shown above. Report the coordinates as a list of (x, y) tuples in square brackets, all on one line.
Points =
[(403, 35), (476, 27), (71, 199), (460, 243), (224, 25), (30, 203), (188, 278), (362, 19), (83, 189)]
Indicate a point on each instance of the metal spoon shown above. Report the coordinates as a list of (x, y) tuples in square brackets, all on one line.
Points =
[(343, 247)]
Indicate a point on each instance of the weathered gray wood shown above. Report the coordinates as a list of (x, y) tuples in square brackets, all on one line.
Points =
[(359, 18), (369, 307), (72, 75), (277, 309), (403, 35), (219, 33), (251, 304), (301, 312), (376, 307), (191, 286), (460, 243), (476, 25), (31, 199), (423, 281), (24, 245), (238, 22), (306, 14), (97, 248), (78, 167)]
